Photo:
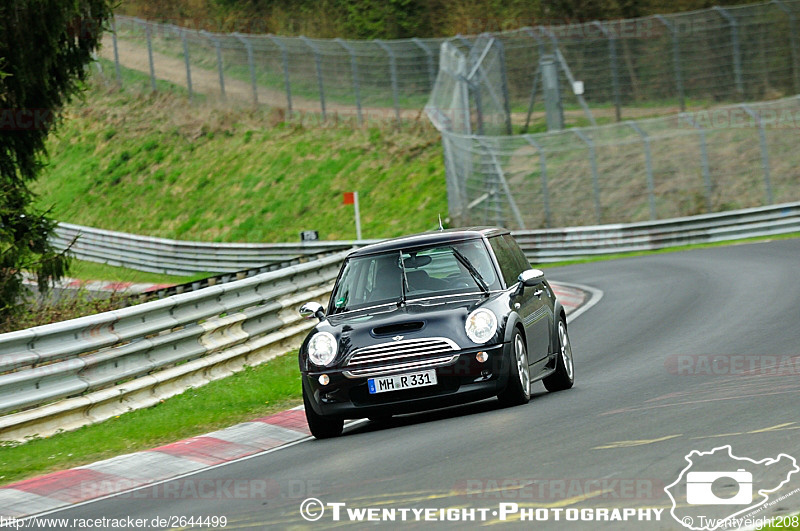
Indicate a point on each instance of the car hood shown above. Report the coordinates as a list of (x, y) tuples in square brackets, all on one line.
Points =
[(418, 319)]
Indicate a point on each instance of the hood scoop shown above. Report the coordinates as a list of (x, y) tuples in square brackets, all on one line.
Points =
[(398, 328)]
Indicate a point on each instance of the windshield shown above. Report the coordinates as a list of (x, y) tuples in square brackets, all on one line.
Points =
[(429, 272)]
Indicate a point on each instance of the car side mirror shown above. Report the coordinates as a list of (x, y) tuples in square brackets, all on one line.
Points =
[(531, 277), (310, 310)]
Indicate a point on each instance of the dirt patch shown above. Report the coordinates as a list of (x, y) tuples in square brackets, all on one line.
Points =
[(204, 81)]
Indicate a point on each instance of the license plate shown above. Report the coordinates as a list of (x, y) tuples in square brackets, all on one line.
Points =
[(399, 382)]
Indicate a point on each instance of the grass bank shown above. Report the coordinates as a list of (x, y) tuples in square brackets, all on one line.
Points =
[(156, 164)]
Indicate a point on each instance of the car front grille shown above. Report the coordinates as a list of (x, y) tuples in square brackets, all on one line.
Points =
[(396, 356)]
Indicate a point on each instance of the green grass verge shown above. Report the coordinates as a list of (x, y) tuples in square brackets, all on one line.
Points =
[(70, 304), (84, 270), (249, 394)]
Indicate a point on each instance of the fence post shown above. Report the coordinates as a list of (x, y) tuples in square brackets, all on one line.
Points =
[(464, 88), (737, 56), (429, 54), (553, 106), (568, 73), (456, 195), (703, 156), (676, 58), (504, 81), (648, 158), (532, 98), (393, 73), (612, 53), (762, 139), (500, 175), (116, 49), (248, 46), (792, 42), (478, 103), (188, 64), (214, 40), (595, 181), (149, 53), (354, 70), (548, 222), (318, 64), (287, 82)]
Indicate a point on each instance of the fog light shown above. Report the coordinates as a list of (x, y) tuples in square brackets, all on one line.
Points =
[(482, 357), (324, 380)]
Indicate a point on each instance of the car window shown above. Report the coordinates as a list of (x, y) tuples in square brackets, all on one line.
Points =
[(510, 257), (518, 255), (430, 271), (366, 281), (437, 268)]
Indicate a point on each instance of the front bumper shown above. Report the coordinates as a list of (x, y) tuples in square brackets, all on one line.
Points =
[(464, 380)]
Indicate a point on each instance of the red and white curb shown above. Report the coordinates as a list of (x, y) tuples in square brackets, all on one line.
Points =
[(576, 298), (126, 472), (142, 469), (570, 297)]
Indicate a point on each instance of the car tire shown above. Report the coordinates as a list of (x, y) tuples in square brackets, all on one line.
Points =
[(564, 376), (321, 427), (518, 388)]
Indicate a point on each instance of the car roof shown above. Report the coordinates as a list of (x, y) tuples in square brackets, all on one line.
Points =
[(429, 238)]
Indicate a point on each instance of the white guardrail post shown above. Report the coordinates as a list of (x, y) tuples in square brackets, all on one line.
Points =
[(64, 375)]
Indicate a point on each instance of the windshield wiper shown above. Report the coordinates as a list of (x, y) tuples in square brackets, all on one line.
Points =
[(471, 269), (403, 282)]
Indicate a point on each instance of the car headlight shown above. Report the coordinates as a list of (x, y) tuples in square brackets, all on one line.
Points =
[(481, 325), (322, 348)]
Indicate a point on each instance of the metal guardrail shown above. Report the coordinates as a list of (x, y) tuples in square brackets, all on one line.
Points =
[(176, 257), (541, 245), (555, 245), (83, 370), (216, 280)]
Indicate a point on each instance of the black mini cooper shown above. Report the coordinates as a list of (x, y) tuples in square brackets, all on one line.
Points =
[(430, 320)]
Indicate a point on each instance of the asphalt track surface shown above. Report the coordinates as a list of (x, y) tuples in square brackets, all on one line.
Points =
[(639, 406)]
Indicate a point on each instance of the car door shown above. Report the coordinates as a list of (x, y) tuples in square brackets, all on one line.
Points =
[(542, 316), (532, 301)]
